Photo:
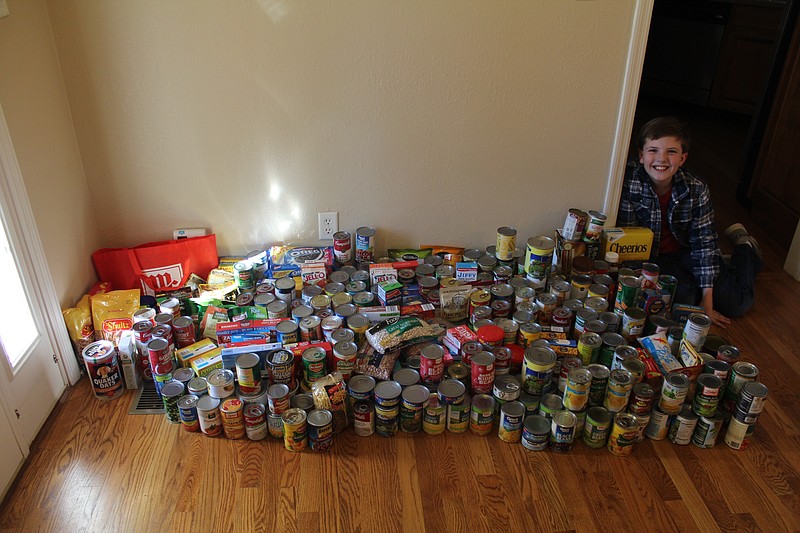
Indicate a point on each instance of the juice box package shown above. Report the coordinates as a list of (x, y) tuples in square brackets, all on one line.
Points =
[(632, 244)]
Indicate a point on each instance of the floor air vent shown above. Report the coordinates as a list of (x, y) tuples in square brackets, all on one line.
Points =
[(146, 401)]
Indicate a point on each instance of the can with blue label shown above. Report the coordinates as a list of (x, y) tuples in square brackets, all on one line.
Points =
[(562, 431), (511, 417), (319, 425), (365, 244)]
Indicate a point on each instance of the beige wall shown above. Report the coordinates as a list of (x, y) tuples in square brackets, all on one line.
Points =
[(38, 117), (433, 121)]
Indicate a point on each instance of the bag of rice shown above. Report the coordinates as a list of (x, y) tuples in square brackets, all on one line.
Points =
[(398, 332)]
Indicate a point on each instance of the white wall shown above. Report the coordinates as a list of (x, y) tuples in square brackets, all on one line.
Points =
[(38, 117), (433, 121)]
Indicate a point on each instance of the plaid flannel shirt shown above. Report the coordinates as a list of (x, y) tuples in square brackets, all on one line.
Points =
[(690, 214)]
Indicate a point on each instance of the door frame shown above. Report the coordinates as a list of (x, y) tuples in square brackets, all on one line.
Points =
[(640, 29), (22, 223)]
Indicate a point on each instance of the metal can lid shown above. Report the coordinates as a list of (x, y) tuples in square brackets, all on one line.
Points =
[(507, 384), (451, 388), (406, 377), (612, 339), (551, 401), (254, 410), (285, 284), (745, 369), (580, 375), (700, 320), (415, 394), (590, 339), (342, 335), (537, 425), (279, 390), (361, 384), (220, 377), (183, 322), (345, 349), (755, 389), (483, 402), (248, 360), (623, 377), (264, 299), (677, 380), (310, 322), (156, 344), (598, 371), (358, 320), (540, 356), (320, 418), (365, 231), (188, 401), (184, 374), (388, 390), (541, 243), (710, 381), (293, 416), (314, 354), (276, 307), (599, 415), (304, 401), (207, 403), (362, 407), (197, 385), (286, 326), (483, 359), (502, 290), (565, 419), (458, 371), (514, 408), (626, 420), (432, 352), (643, 390), (172, 389)]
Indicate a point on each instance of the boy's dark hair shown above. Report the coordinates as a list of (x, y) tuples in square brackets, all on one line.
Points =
[(664, 127)]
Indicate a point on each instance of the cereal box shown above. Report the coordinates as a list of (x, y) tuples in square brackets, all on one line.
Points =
[(632, 244)]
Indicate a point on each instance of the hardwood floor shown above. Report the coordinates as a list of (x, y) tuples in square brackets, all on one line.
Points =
[(96, 468)]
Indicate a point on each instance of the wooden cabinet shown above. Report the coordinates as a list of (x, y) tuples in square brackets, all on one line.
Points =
[(775, 188), (745, 57)]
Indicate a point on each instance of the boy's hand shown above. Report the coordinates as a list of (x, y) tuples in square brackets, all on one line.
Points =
[(718, 319)]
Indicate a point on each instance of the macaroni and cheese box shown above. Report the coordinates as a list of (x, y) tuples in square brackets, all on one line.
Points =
[(632, 244)]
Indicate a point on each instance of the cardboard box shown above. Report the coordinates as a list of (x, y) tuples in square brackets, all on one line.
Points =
[(185, 355), (632, 244), (129, 360), (204, 363), (566, 250)]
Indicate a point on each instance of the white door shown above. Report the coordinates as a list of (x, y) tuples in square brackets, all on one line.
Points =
[(9, 451), (31, 378)]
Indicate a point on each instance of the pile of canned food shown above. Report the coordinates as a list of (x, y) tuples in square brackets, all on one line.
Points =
[(496, 341)]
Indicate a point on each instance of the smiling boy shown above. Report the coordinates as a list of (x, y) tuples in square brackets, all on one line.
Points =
[(659, 194)]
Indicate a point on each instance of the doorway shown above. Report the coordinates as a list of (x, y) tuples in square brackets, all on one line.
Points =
[(33, 370), (714, 65)]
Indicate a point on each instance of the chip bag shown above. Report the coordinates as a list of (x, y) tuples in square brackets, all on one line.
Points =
[(78, 320), (112, 313)]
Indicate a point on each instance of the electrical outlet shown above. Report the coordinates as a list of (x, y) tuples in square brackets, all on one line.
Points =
[(328, 225)]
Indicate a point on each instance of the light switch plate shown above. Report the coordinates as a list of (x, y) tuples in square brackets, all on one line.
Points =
[(3, 9)]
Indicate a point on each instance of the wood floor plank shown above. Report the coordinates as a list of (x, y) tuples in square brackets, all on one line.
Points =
[(96, 468)]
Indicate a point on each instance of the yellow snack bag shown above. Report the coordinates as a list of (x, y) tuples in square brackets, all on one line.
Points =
[(78, 320), (112, 313)]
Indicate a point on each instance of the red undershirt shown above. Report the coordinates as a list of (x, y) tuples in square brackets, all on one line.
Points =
[(668, 243)]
